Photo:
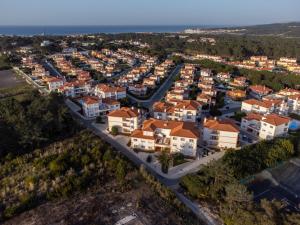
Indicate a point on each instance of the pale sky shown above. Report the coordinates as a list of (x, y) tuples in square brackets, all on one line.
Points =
[(147, 12)]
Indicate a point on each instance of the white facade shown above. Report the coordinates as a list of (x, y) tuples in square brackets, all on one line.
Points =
[(91, 110), (269, 131), (125, 119), (220, 139), (162, 136), (220, 134), (55, 85), (255, 107)]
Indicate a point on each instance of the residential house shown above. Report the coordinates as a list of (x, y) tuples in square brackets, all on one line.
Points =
[(266, 126), (259, 90), (125, 119), (175, 136), (186, 110), (106, 91), (90, 106), (221, 134), (236, 94)]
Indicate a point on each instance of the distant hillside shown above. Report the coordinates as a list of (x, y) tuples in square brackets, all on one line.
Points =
[(276, 29)]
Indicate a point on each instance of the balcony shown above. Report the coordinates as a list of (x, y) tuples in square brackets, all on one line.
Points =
[(162, 142)]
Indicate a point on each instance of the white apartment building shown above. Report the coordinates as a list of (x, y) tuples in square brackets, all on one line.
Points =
[(75, 88), (265, 126), (161, 135), (186, 110), (125, 119), (259, 90), (90, 106), (256, 106), (264, 106), (206, 73), (273, 125), (54, 83), (105, 91), (222, 134)]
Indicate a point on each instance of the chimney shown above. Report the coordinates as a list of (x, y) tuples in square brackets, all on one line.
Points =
[(205, 119), (215, 118)]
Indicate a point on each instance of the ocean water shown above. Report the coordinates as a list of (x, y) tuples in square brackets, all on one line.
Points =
[(73, 30)]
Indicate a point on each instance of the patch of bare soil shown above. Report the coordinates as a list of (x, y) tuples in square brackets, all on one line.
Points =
[(105, 206)]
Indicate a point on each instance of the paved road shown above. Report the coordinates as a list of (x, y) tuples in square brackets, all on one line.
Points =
[(160, 93), (51, 69)]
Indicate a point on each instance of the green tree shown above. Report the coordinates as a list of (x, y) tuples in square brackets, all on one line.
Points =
[(114, 130)]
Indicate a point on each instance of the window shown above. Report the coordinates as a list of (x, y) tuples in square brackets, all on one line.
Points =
[(271, 126), (182, 139), (134, 139), (191, 140), (174, 138)]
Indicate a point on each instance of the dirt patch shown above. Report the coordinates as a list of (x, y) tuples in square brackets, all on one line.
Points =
[(8, 79), (103, 206)]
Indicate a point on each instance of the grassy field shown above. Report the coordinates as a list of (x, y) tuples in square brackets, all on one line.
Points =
[(12, 86)]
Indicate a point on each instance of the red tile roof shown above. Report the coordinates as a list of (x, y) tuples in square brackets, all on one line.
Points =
[(124, 112), (221, 125), (275, 119)]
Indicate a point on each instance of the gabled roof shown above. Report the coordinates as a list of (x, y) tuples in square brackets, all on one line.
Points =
[(221, 125), (275, 119), (105, 88), (124, 112), (90, 100), (260, 89), (253, 116), (265, 104), (178, 128)]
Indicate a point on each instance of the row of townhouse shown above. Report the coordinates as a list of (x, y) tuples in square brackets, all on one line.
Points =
[(265, 106), (290, 64), (28, 61), (285, 102), (67, 67), (182, 86), (135, 75), (39, 71)]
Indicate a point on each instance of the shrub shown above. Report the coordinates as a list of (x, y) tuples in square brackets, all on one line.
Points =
[(115, 130)]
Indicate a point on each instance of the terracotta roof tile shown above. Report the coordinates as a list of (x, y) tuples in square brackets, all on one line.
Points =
[(221, 125), (124, 112)]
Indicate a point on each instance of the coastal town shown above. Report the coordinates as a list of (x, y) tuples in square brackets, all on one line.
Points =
[(171, 115), (181, 121)]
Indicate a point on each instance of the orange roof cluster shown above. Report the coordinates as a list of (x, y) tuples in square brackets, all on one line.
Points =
[(124, 112), (275, 119), (261, 89), (178, 128), (184, 104), (105, 88), (221, 125)]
